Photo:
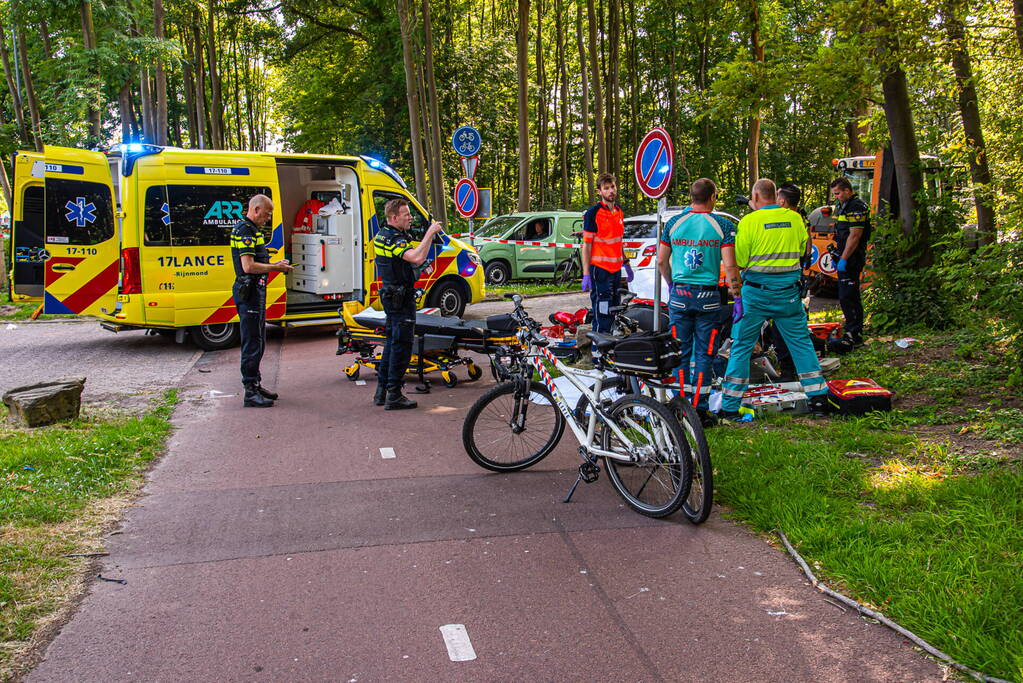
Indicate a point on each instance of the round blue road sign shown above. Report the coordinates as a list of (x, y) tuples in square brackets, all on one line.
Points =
[(467, 198), (467, 141), (655, 158)]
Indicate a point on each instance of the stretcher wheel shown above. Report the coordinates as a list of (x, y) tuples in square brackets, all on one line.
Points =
[(352, 372), (449, 378), (474, 371)]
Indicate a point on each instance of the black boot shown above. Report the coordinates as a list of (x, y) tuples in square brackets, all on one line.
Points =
[(266, 393), (381, 394), (818, 405), (395, 400), (254, 399)]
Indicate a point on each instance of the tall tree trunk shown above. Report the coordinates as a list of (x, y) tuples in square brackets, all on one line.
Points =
[(563, 125), (522, 70), (194, 138), (216, 106), (969, 109), (124, 109), (96, 101), (855, 131), (440, 205), (12, 87), (587, 151), (424, 125), (757, 52), (905, 152), (614, 101), (148, 112), (160, 79), (542, 114), (201, 112), (598, 97), (44, 36), (30, 92), (1017, 15), (412, 99), (634, 93)]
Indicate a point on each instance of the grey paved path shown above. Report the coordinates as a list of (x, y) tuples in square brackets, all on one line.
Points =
[(279, 545)]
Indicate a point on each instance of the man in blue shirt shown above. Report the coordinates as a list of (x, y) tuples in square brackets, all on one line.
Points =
[(694, 245)]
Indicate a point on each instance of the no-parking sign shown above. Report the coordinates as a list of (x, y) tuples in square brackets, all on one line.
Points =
[(655, 159), (467, 198)]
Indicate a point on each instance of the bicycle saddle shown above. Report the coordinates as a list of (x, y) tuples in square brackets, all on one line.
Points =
[(602, 341)]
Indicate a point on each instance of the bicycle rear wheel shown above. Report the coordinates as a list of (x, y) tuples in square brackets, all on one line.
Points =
[(504, 432), (701, 494), (657, 482)]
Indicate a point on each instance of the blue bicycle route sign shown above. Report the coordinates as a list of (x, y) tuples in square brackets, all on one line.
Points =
[(467, 141)]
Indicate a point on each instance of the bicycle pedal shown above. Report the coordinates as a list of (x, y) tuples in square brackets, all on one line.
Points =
[(589, 472)]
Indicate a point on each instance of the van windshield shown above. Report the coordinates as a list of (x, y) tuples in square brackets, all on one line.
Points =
[(498, 226)]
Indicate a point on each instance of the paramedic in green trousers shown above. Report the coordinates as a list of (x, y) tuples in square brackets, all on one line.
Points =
[(769, 243), (251, 261)]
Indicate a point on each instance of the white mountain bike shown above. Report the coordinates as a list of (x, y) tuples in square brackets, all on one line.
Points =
[(519, 422)]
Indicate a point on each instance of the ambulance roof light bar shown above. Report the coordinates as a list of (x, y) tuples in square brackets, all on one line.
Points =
[(381, 166)]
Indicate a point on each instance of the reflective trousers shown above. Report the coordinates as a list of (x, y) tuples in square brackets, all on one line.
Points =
[(784, 306), (252, 328), (694, 315), (399, 329)]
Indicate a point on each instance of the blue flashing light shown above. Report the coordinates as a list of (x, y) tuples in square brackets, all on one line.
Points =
[(133, 151), (381, 166)]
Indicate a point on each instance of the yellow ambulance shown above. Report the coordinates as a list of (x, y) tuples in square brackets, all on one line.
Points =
[(139, 237)]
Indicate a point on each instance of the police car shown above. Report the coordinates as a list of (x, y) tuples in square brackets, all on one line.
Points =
[(640, 240)]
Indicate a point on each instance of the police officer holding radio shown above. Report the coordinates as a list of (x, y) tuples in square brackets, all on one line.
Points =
[(395, 258), (852, 233), (251, 266)]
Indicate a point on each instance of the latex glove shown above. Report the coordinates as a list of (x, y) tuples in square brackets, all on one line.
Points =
[(842, 265), (587, 283), (628, 272), (737, 310)]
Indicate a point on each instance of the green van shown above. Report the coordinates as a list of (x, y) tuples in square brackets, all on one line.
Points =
[(505, 260)]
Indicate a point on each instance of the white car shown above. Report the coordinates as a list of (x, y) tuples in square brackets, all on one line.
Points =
[(640, 240)]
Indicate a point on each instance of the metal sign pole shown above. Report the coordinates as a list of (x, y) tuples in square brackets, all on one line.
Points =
[(661, 205)]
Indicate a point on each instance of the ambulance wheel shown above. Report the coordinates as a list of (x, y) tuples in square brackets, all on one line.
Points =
[(449, 297), (215, 337), (352, 372), (450, 380), (474, 371)]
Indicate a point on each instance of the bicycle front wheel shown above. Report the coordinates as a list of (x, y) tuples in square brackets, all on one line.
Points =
[(701, 493), (656, 482), (506, 432)]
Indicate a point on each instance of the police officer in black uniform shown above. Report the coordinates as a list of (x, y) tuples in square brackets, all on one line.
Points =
[(852, 233), (395, 258), (251, 266)]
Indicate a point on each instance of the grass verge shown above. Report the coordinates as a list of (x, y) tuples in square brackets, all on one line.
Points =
[(59, 487), (530, 287), (915, 512)]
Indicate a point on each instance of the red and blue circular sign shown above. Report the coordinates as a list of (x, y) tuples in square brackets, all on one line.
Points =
[(655, 159), (467, 198)]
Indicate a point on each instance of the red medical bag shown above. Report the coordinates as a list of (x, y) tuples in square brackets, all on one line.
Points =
[(857, 396)]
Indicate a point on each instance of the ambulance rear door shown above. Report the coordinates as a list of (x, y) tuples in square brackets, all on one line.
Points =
[(28, 249), (82, 264)]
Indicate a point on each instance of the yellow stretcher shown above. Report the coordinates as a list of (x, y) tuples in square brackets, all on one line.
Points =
[(436, 343)]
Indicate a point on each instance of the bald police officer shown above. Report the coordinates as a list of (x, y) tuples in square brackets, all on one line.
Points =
[(251, 261), (769, 243)]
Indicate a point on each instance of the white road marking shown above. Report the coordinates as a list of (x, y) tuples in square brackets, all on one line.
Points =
[(456, 639), (360, 382), (386, 453)]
